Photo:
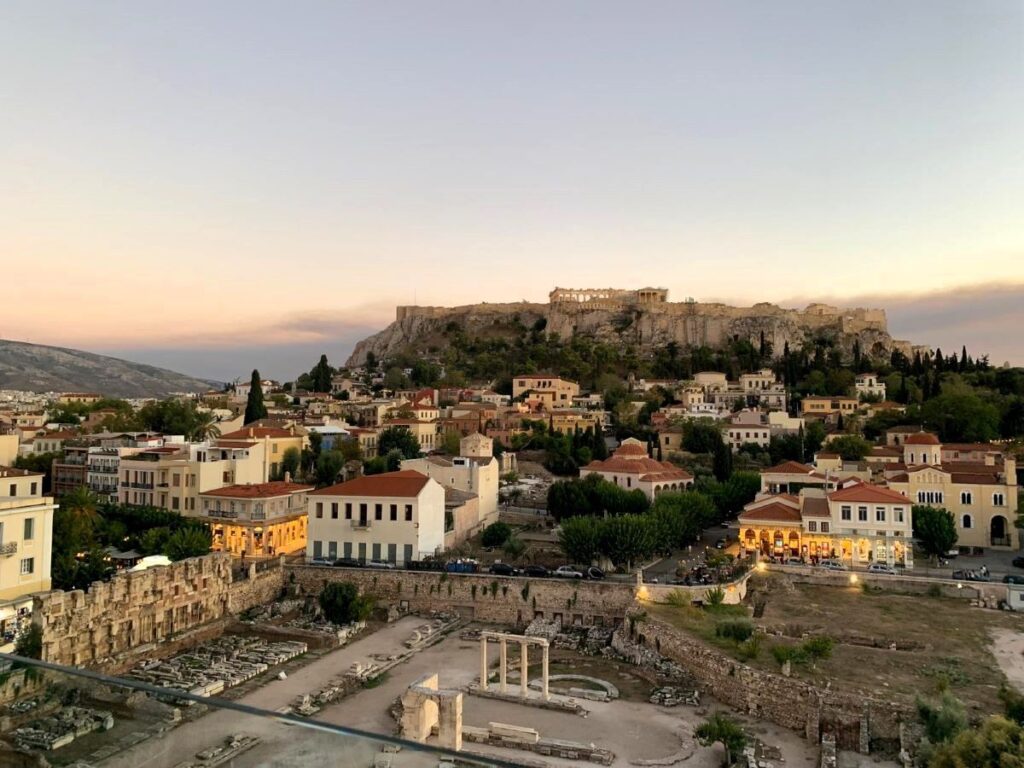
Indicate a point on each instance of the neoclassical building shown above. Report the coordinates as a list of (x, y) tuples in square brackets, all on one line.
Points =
[(858, 524), (631, 468)]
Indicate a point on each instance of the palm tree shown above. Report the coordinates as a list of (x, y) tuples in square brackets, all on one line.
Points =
[(76, 519), (205, 426)]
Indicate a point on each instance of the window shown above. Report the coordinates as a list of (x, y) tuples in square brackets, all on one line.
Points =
[(392, 553), (408, 513), (273, 448), (28, 566), (319, 509), (966, 497), (14, 489), (967, 522), (846, 513), (30, 528), (174, 502), (898, 514), (176, 480), (879, 514), (629, 482), (348, 510), (824, 526), (376, 551), (318, 549), (346, 549), (378, 511), (812, 526), (332, 550), (32, 488), (862, 514), (998, 499), (394, 511), (407, 552), (334, 510)]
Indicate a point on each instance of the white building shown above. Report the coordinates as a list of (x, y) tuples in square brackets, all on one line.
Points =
[(631, 468), (869, 385), (395, 517)]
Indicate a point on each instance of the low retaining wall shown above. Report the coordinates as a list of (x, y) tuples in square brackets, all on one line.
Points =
[(988, 591)]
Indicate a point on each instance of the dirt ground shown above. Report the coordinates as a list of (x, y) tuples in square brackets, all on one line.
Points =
[(938, 641), (1008, 648)]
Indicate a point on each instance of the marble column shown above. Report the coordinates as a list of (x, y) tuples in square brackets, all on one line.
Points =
[(503, 671), (524, 669), (483, 663), (544, 675)]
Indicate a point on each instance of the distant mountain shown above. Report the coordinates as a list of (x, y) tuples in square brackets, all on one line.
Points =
[(38, 368)]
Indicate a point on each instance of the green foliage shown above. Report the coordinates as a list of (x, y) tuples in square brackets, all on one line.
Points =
[(593, 496), (998, 743), (1013, 704), (714, 597), (961, 416), (580, 537), (514, 547), (42, 463), (290, 461), (342, 604), (495, 534), (254, 407), (818, 647), (701, 436), (626, 539), (193, 541), (328, 467), (398, 438), (721, 728), (850, 447), (749, 649), (736, 630), (320, 376), (29, 644), (935, 529), (943, 719)]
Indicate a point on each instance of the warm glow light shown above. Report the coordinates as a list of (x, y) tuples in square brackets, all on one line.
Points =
[(762, 566), (853, 578), (643, 594)]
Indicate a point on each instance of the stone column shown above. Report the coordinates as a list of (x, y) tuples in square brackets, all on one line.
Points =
[(483, 663), (503, 670), (524, 669), (544, 675)]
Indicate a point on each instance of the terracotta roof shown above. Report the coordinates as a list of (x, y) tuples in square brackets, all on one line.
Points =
[(815, 506), (827, 456), (404, 483), (788, 468), (639, 466), (258, 490), (869, 493), (774, 512), (971, 447), (885, 450), (922, 438), (900, 478), (13, 472), (630, 449), (968, 478)]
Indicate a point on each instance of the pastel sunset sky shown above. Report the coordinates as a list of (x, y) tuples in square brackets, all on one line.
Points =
[(219, 186)]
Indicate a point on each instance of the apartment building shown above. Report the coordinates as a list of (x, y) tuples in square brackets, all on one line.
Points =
[(395, 517), (869, 385), (26, 540), (274, 441), (544, 390), (257, 519)]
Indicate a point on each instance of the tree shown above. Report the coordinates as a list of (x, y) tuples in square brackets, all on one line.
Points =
[(451, 442), (678, 518), (29, 644), (328, 466), (320, 376), (721, 728), (193, 541), (254, 407), (943, 720), (579, 538), (342, 603), (290, 461), (701, 436), (204, 426), (961, 417), (850, 447), (495, 534), (722, 464), (400, 438), (998, 743), (626, 539), (935, 529)]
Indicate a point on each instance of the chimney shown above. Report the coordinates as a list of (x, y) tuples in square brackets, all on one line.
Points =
[(287, 477)]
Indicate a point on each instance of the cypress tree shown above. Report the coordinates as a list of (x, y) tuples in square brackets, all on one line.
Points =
[(254, 407), (722, 464), (321, 375), (964, 359), (940, 361), (856, 355), (903, 396)]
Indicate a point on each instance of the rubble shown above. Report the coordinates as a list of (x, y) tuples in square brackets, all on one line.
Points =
[(61, 728), (217, 665), (672, 696)]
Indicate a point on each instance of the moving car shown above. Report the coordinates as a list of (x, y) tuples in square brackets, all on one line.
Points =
[(1013, 579), (593, 572), (722, 543), (795, 561), (537, 571), (1018, 562), (383, 564), (881, 568), (568, 572), (970, 575), (502, 569)]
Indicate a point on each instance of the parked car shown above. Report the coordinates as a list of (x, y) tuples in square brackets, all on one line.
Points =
[(568, 572), (502, 569), (321, 561), (1018, 562), (832, 565), (383, 564), (795, 561), (1013, 579), (537, 571), (881, 568), (722, 542), (348, 562), (593, 572), (970, 575)]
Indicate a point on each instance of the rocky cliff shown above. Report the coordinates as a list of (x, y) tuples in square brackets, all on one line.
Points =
[(38, 368), (645, 326)]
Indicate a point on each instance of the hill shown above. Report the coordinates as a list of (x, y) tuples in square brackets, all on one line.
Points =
[(39, 368), (641, 320)]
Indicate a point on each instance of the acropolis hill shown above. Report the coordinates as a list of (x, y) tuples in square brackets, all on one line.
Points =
[(643, 318)]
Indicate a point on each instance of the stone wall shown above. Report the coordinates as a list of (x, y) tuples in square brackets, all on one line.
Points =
[(512, 601), (792, 703), (988, 592), (257, 588), (121, 618)]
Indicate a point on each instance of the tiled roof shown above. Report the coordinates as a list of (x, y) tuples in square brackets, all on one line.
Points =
[(13, 472), (258, 490), (630, 449), (922, 438), (248, 433), (774, 512), (639, 466), (404, 483), (870, 494), (788, 468), (815, 506)]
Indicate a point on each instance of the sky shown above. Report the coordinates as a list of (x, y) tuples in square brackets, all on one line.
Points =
[(222, 186)]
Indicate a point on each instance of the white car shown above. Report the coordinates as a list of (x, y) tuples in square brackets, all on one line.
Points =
[(832, 565), (568, 572), (881, 568)]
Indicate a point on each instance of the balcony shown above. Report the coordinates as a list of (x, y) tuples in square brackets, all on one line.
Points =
[(143, 486), (8, 549)]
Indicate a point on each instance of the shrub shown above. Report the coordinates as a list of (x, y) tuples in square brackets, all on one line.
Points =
[(749, 649), (714, 597), (819, 647), (342, 603), (737, 630), (495, 534)]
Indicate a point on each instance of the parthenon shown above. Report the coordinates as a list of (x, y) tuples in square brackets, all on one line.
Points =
[(607, 298)]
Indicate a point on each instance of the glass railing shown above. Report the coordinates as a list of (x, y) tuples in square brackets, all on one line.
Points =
[(76, 717)]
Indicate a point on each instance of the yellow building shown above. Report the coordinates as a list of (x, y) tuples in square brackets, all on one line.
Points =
[(259, 520), (275, 441), (569, 421), (814, 405), (26, 539), (549, 391), (982, 495), (85, 398)]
